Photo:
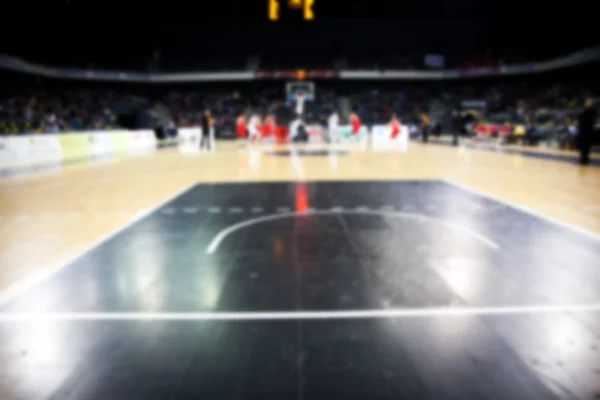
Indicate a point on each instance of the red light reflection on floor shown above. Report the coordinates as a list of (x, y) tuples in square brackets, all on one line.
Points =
[(301, 198)]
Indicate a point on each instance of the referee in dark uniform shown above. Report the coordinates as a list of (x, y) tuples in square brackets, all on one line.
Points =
[(585, 134), (206, 123)]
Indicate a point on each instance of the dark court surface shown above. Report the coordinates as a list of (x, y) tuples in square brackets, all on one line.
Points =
[(321, 248)]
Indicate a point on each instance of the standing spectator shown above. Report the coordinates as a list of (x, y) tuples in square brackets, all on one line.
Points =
[(425, 127), (587, 120), (206, 125), (51, 124)]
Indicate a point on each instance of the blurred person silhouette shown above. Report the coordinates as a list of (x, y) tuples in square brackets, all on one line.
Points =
[(585, 135), (206, 123), (425, 127)]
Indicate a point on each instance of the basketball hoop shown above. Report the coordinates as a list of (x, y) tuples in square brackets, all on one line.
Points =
[(295, 88)]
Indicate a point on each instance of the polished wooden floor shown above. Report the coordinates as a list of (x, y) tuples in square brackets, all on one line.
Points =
[(47, 218), (305, 272)]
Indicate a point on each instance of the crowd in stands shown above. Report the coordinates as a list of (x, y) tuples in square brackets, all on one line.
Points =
[(49, 112), (44, 109)]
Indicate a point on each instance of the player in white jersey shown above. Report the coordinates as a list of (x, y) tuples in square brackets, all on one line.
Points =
[(332, 127), (294, 128), (254, 127), (299, 105)]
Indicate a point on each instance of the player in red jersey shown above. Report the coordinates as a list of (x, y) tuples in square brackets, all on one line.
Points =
[(394, 127), (240, 126), (354, 123), (269, 126)]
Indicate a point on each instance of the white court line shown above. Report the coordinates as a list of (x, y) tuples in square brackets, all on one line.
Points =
[(302, 315), (21, 286), (524, 209), (214, 244), (296, 163)]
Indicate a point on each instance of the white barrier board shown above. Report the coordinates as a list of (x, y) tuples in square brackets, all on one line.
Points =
[(141, 142), (316, 133), (343, 134), (99, 144), (189, 140), (30, 150), (53, 149), (381, 138), (45, 149), (15, 151)]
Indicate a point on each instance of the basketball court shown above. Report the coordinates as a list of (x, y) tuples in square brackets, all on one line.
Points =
[(302, 272)]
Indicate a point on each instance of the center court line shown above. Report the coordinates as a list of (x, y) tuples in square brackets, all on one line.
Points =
[(300, 315), (214, 244), (27, 283)]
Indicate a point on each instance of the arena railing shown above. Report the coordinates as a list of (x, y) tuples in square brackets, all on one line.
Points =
[(576, 58)]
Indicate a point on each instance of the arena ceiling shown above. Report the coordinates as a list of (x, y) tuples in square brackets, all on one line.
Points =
[(202, 11), (67, 29)]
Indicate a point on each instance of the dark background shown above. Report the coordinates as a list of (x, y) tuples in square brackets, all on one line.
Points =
[(205, 34), (212, 35)]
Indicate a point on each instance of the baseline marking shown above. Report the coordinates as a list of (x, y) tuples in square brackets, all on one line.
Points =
[(301, 315), (27, 283), (526, 210), (214, 244)]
